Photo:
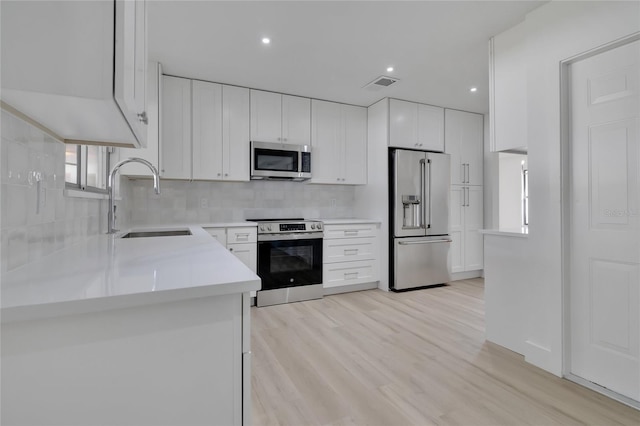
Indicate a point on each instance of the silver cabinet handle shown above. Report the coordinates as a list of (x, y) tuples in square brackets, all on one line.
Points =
[(462, 169), (468, 173), (143, 118), (409, 243)]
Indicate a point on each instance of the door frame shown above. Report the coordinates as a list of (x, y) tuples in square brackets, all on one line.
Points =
[(565, 196)]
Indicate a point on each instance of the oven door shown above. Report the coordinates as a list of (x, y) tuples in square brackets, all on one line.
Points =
[(291, 262)]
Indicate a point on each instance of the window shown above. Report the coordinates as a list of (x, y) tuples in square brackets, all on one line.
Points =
[(86, 168)]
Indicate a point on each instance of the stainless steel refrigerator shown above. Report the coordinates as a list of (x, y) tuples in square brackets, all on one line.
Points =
[(419, 215)]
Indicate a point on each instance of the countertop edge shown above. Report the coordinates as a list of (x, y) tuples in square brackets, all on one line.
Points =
[(101, 304), (504, 233)]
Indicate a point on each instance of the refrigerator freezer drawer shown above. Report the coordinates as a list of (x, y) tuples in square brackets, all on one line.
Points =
[(421, 262)]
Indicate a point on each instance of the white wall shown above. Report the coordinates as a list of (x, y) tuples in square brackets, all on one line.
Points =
[(490, 180), (34, 225), (371, 201), (209, 202), (556, 31)]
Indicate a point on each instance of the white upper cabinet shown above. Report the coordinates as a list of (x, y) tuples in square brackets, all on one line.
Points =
[(508, 78), (235, 133), (464, 142), (206, 130), (416, 126), (280, 118), (150, 152), (78, 68), (175, 128), (338, 143)]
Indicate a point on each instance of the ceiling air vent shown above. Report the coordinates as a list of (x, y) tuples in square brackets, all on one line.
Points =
[(380, 83)]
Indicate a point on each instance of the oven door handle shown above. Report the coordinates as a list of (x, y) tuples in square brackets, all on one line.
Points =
[(290, 237)]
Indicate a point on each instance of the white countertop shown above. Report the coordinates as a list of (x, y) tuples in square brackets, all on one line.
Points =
[(346, 221), (107, 272), (507, 232), (228, 224)]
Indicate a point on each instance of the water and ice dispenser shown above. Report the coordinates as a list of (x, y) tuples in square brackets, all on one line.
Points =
[(411, 211)]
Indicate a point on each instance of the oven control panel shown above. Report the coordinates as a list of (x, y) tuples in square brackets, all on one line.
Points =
[(289, 227)]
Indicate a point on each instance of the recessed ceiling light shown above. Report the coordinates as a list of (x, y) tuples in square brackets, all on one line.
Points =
[(266, 40), (390, 69), (473, 89)]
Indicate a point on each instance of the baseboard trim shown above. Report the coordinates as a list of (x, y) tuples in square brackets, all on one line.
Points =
[(604, 391), (466, 275), (349, 288)]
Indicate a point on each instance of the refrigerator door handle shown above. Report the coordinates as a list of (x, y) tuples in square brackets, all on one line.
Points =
[(429, 186), (408, 243), (423, 220)]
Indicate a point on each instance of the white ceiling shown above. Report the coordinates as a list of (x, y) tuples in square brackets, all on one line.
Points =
[(331, 49)]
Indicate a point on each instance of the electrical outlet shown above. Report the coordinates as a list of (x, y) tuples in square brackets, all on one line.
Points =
[(204, 203)]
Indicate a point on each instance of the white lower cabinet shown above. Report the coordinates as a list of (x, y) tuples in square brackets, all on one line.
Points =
[(350, 257), (241, 241), (465, 221)]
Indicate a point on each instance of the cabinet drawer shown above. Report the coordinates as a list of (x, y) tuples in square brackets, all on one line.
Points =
[(348, 273), (219, 234), (346, 250), (242, 235), (350, 231)]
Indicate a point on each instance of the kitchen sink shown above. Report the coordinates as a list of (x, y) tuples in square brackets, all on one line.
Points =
[(167, 233)]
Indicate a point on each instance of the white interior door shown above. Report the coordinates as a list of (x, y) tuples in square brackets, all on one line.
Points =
[(605, 230)]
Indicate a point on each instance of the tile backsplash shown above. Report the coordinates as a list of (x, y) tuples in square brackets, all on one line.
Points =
[(36, 218), (207, 202)]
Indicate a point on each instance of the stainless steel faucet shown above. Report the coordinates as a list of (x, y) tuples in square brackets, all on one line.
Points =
[(110, 183)]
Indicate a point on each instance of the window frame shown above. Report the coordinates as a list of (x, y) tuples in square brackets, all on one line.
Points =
[(82, 166), (525, 196)]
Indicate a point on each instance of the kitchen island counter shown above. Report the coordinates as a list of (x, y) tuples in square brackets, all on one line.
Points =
[(107, 272), (122, 331)]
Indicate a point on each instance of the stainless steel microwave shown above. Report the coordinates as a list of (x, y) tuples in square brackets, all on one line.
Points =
[(271, 160)]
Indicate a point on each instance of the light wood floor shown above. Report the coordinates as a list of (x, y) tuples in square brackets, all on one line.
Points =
[(414, 358)]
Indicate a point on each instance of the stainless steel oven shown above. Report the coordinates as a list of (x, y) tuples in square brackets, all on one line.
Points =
[(289, 261)]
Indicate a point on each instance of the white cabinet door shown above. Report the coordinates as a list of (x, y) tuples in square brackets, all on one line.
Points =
[(354, 163), (508, 101), (296, 120), (219, 234), (456, 228), (473, 151), (473, 222), (206, 130), (464, 142), (465, 222), (403, 124), (235, 134), (266, 116), (150, 152), (131, 65), (175, 128), (416, 126), (339, 143), (327, 157), (247, 253), (280, 118), (430, 128)]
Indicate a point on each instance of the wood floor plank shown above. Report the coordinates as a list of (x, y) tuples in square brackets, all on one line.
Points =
[(413, 358)]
